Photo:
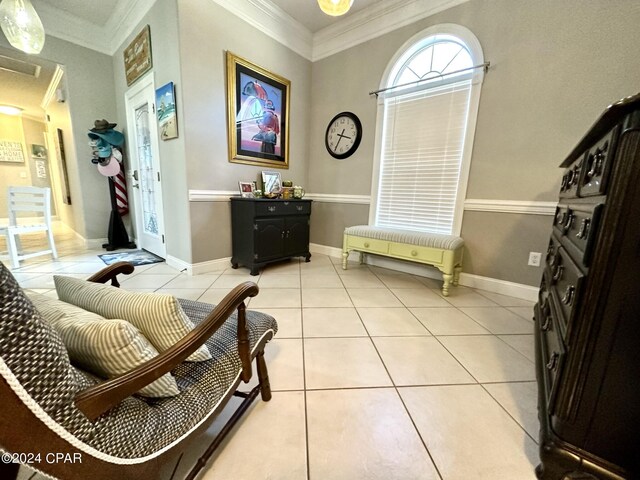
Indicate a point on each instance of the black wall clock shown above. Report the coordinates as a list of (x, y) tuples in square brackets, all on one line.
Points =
[(343, 135)]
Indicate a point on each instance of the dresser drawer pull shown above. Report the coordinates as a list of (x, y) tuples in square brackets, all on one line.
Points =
[(553, 361), (414, 253), (567, 225), (299, 207), (271, 208), (584, 228), (557, 273), (560, 218), (546, 325), (285, 203), (366, 244), (569, 295)]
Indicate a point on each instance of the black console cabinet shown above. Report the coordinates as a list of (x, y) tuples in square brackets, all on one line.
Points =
[(588, 312), (265, 231)]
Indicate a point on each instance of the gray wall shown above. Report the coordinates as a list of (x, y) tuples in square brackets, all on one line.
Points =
[(162, 19), (207, 31), (90, 89), (555, 67)]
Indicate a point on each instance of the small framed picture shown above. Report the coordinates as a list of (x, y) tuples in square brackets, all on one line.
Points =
[(246, 189)]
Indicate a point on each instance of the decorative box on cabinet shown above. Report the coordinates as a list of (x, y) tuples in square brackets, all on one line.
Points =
[(265, 231), (588, 312)]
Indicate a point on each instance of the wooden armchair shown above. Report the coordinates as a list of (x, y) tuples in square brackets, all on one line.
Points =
[(51, 407)]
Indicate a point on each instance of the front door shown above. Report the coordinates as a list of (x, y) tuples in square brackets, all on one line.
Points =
[(144, 174)]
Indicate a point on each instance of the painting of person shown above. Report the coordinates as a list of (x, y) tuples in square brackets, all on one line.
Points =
[(269, 126)]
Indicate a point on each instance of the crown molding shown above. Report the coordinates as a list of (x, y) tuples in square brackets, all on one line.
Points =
[(372, 22), (66, 26), (274, 22), (125, 18)]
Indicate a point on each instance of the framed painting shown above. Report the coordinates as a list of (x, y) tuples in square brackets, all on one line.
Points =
[(258, 114), (166, 111)]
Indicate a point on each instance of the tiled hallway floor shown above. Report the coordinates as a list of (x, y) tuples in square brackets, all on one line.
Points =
[(375, 375)]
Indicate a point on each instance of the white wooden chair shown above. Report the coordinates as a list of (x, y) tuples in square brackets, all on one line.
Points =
[(28, 199)]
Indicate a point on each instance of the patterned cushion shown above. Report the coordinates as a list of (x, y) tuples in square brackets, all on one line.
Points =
[(136, 428), (107, 348), (433, 240), (159, 317)]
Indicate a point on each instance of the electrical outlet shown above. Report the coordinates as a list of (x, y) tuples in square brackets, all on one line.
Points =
[(534, 259)]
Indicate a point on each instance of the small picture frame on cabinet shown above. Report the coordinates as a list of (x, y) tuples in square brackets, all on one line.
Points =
[(246, 189)]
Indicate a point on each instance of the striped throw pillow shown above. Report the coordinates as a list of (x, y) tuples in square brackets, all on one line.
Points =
[(159, 317), (107, 348)]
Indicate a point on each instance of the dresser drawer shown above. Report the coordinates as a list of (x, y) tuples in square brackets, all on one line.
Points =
[(597, 165), (430, 255), (566, 282), (571, 179), (265, 208), (582, 230), (553, 351), (369, 244)]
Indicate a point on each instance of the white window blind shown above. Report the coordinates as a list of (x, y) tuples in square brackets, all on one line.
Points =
[(422, 147)]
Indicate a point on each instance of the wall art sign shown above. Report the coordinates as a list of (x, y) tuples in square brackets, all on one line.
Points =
[(258, 114), (137, 56), (11, 152)]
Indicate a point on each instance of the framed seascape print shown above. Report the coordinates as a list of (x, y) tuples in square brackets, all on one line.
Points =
[(258, 114), (166, 111)]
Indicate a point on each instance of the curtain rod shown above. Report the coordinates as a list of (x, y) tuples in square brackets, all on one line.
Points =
[(484, 66)]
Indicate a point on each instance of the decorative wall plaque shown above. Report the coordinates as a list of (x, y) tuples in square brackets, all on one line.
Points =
[(137, 56)]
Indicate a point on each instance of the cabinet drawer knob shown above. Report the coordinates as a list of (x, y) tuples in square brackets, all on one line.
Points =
[(553, 361), (271, 208), (299, 208), (414, 253), (569, 294), (366, 244), (567, 225), (546, 325)]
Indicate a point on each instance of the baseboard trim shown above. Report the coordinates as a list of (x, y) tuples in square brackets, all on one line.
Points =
[(199, 268), (93, 243), (178, 264), (494, 285)]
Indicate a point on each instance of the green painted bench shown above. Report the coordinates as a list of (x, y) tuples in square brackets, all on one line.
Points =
[(441, 251)]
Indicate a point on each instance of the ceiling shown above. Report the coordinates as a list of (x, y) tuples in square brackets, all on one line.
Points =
[(305, 12)]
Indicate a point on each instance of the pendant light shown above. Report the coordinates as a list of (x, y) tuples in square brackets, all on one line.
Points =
[(21, 25), (335, 8)]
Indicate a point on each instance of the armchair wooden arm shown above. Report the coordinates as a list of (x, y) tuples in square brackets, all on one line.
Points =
[(98, 399), (111, 272)]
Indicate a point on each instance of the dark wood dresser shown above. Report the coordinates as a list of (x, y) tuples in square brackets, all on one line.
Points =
[(265, 231), (588, 312)]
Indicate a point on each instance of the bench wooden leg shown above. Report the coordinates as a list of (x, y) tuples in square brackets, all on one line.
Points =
[(456, 275), (345, 258), (263, 377), (361, 258), (448, 279)]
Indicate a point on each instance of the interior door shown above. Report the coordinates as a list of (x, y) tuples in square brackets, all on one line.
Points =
[(144, 166)]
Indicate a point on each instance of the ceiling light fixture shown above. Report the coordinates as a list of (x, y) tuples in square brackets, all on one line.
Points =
[(10, 110), (21, 25), (335, 8)]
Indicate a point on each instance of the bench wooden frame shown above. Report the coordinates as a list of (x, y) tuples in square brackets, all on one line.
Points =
[(449, 262)]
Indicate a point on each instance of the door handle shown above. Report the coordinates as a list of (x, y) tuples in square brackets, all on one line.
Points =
[(135, 175)]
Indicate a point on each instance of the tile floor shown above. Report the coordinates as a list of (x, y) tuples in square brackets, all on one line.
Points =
[(375, 375)]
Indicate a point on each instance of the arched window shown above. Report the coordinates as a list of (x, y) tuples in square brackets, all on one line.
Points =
[(426, 121)]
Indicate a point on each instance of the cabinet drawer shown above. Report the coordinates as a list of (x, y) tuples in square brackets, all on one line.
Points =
[(369, 244), (571, 179), (265, 208), (597, 165), (430, 255), (583, 222), (553, 351), (567, 280)]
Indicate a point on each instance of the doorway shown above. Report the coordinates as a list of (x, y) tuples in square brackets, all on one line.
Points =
[(144, 169)]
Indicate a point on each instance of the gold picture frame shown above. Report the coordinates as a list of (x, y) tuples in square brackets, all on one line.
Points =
[(258, 114)]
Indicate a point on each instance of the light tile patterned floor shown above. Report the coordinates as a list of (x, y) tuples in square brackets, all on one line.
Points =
[(375, 374)]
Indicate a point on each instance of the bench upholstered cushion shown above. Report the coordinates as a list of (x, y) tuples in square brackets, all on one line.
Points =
[(107, 348), (158, 316), (432, 240), (136, 427)]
